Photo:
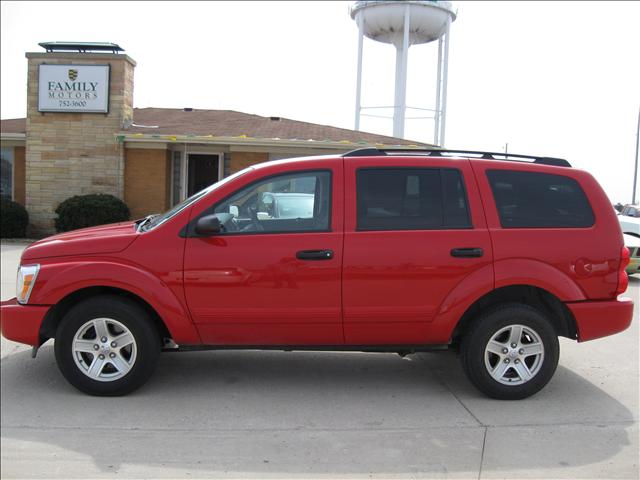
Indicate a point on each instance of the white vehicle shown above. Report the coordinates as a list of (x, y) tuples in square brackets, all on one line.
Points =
[(629, 219), (633, 244)]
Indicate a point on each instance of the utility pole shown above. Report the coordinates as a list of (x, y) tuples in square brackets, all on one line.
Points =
[(635, 170)]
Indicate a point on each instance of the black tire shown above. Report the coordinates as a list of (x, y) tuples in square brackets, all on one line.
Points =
[(505, 319), (119, 311)]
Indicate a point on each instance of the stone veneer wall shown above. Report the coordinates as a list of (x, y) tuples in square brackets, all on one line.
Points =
[(74, 153)]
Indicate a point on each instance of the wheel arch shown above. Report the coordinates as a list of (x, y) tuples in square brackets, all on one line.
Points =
[(62, 284), (56, 313), (560, 316)]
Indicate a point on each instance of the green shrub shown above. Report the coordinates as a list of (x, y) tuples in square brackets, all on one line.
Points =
[(83, 211), (13, 219)]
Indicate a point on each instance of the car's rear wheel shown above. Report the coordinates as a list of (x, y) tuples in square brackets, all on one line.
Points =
[(107, 345), (510, 352)]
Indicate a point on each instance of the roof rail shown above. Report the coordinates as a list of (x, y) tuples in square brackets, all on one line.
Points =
[(378, 152)]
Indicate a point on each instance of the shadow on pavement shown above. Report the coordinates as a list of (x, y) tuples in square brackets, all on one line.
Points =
[(269, 413)]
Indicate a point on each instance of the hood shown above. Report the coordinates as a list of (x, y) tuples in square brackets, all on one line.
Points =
[(87, 241)]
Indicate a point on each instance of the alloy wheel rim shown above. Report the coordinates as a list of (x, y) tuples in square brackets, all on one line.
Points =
[(514, 355), (104, 349)]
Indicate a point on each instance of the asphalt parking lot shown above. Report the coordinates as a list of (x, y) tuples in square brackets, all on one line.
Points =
[(321, 415)]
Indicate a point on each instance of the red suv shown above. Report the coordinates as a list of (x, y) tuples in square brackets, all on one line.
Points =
[(375, 250)]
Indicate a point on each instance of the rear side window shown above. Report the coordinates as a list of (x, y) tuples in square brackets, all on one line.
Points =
[(539, 200), (411, 199)]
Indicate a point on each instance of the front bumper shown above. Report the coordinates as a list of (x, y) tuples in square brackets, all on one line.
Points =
[(599, 319), (21, 323)]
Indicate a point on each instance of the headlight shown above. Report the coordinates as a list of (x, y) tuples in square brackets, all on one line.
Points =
[(27, 275)]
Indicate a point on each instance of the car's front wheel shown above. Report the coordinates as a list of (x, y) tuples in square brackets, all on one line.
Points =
[(107, 345), (510, 352)]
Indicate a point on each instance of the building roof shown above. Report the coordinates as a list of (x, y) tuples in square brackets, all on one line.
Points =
[(164, 123), (229, 123), (14, 125)]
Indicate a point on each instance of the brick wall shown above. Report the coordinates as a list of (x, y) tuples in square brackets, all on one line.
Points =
[(74, 153), (240, 160), (147, 175)]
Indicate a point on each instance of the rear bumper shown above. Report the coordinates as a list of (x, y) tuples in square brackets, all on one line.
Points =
[(599, 319), (21, 323)]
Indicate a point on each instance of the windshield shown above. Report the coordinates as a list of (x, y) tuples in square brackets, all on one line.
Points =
[(153, 221)]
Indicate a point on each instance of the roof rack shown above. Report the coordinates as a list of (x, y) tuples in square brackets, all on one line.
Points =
[(379, 152)]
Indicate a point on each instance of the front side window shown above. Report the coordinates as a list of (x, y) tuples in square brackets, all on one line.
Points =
[(297, 202), (411, 199), (539, 200), (6, 173)]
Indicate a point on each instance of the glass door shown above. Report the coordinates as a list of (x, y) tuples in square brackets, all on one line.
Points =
[(191, 172), (203, 171)]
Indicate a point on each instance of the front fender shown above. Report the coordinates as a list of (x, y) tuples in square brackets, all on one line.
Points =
[(58, 280)]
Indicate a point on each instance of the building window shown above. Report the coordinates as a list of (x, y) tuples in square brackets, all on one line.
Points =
[(6, 173)]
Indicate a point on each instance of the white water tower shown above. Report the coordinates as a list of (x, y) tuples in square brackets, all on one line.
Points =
[(402, 24)]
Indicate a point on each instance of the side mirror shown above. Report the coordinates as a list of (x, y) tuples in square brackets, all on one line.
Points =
[(208, 225)]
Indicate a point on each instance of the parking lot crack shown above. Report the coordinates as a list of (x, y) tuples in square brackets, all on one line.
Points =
[(446, 385), (484, 442)]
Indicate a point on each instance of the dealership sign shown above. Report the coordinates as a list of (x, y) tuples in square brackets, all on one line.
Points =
[(73, 88)]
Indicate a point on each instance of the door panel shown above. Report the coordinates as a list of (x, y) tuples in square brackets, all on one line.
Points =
[(249, 288), (394, 281)]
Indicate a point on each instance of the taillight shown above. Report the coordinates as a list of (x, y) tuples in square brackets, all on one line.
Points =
[(623, 278)]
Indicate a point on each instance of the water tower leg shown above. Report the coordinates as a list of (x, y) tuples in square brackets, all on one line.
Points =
[(397, 120), (400, 103), (436, 118), (359, 74), (445, 70)]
